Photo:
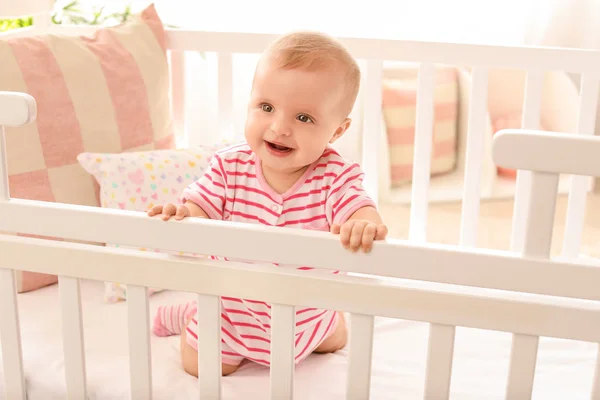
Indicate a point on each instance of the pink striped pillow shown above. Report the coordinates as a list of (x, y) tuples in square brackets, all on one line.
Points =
[(399, 114), (106, 93)]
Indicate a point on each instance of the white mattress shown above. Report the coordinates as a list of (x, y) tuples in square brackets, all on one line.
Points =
[(565, 368)]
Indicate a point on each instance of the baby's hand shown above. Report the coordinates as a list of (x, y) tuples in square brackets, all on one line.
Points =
[(168, 210), (358, 233)]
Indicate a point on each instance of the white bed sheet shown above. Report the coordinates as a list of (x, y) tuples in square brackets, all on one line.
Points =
[(565, 368)]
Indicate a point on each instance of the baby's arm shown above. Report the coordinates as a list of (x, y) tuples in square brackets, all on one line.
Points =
[(352, 212)]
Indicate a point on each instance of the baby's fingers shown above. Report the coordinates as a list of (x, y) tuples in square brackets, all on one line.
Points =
[(382, 232), (335, 229), (155, 210), (168, 211), (368, 236), (182, 212), (356, 237)]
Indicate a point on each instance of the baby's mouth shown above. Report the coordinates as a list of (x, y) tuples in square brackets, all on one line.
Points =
[(278, 147)]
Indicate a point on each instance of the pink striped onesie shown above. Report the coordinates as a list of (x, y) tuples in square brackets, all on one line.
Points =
[(234, 189)]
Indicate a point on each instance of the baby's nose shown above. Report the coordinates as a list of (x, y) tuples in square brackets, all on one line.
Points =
[(281, 128)]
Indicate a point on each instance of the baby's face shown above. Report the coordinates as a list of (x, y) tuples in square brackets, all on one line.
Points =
[(293, 115)]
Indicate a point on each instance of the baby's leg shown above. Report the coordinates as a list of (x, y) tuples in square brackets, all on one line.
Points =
[(171, 320), (336, 340), (189, 357)]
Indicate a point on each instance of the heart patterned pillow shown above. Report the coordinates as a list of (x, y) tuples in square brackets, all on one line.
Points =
[(137, 181)]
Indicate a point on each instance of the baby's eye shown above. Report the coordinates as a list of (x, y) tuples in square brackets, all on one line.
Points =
[(304, 118), (267, 108)]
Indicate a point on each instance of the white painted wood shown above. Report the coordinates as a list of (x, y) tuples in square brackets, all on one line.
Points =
[(73, 343), (523, 358), (474, 158), (10, 338), (16, 109), (22, 8), (4, 188), (439, 361), (425, 262), (441, 304), (10, 332), (531, 116), (563, 152), (209, 346), (588, 105), (360, 354), (372, 126), (177, 76), (225, 95), (519, 57), (537, 244), (16, 33), (140, 360), (540, 216), (422, 154), (596, 382), (74, 30), (283, 328)]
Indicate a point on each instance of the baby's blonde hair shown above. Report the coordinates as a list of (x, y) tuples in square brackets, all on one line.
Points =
[(313, 51)]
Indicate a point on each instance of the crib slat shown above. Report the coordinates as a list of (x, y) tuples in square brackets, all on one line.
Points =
[(360, 354), (140, 361), (372, 126), (439, 361), (10, 337), (177, 76), (474, 158), (225, 95), (73, 345), (209, 346), (596, 382), (422, 154), (10, 332), (588, 104), (283, 328), (539, 223), (531, 120), (523, 357)]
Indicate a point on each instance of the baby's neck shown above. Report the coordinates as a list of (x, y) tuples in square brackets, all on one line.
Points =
[(280, 181)]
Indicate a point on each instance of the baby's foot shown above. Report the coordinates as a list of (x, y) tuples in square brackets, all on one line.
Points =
[(170, 320)]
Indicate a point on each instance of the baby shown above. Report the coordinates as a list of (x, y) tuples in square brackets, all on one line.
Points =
[(285, 174)]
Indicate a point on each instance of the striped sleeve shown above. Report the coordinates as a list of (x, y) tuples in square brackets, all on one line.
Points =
[(347, 195), (209, 192)]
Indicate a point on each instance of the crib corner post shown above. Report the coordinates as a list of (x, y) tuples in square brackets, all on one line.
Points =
[(16, 109)]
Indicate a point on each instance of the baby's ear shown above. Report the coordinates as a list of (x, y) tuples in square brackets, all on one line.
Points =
[(339, 132)]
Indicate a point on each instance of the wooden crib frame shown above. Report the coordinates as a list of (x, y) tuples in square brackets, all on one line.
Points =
[(527, 269)]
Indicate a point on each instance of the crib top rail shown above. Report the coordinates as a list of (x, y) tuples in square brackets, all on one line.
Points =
[(465, 54), (520, 57), (547, 152), (286, 246), (16, 109)]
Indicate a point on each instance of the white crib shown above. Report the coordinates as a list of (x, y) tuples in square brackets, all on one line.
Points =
[(532, 296)]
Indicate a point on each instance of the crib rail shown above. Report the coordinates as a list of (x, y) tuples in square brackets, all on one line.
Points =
[(535, 58), (496, 270), (503, 311)]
